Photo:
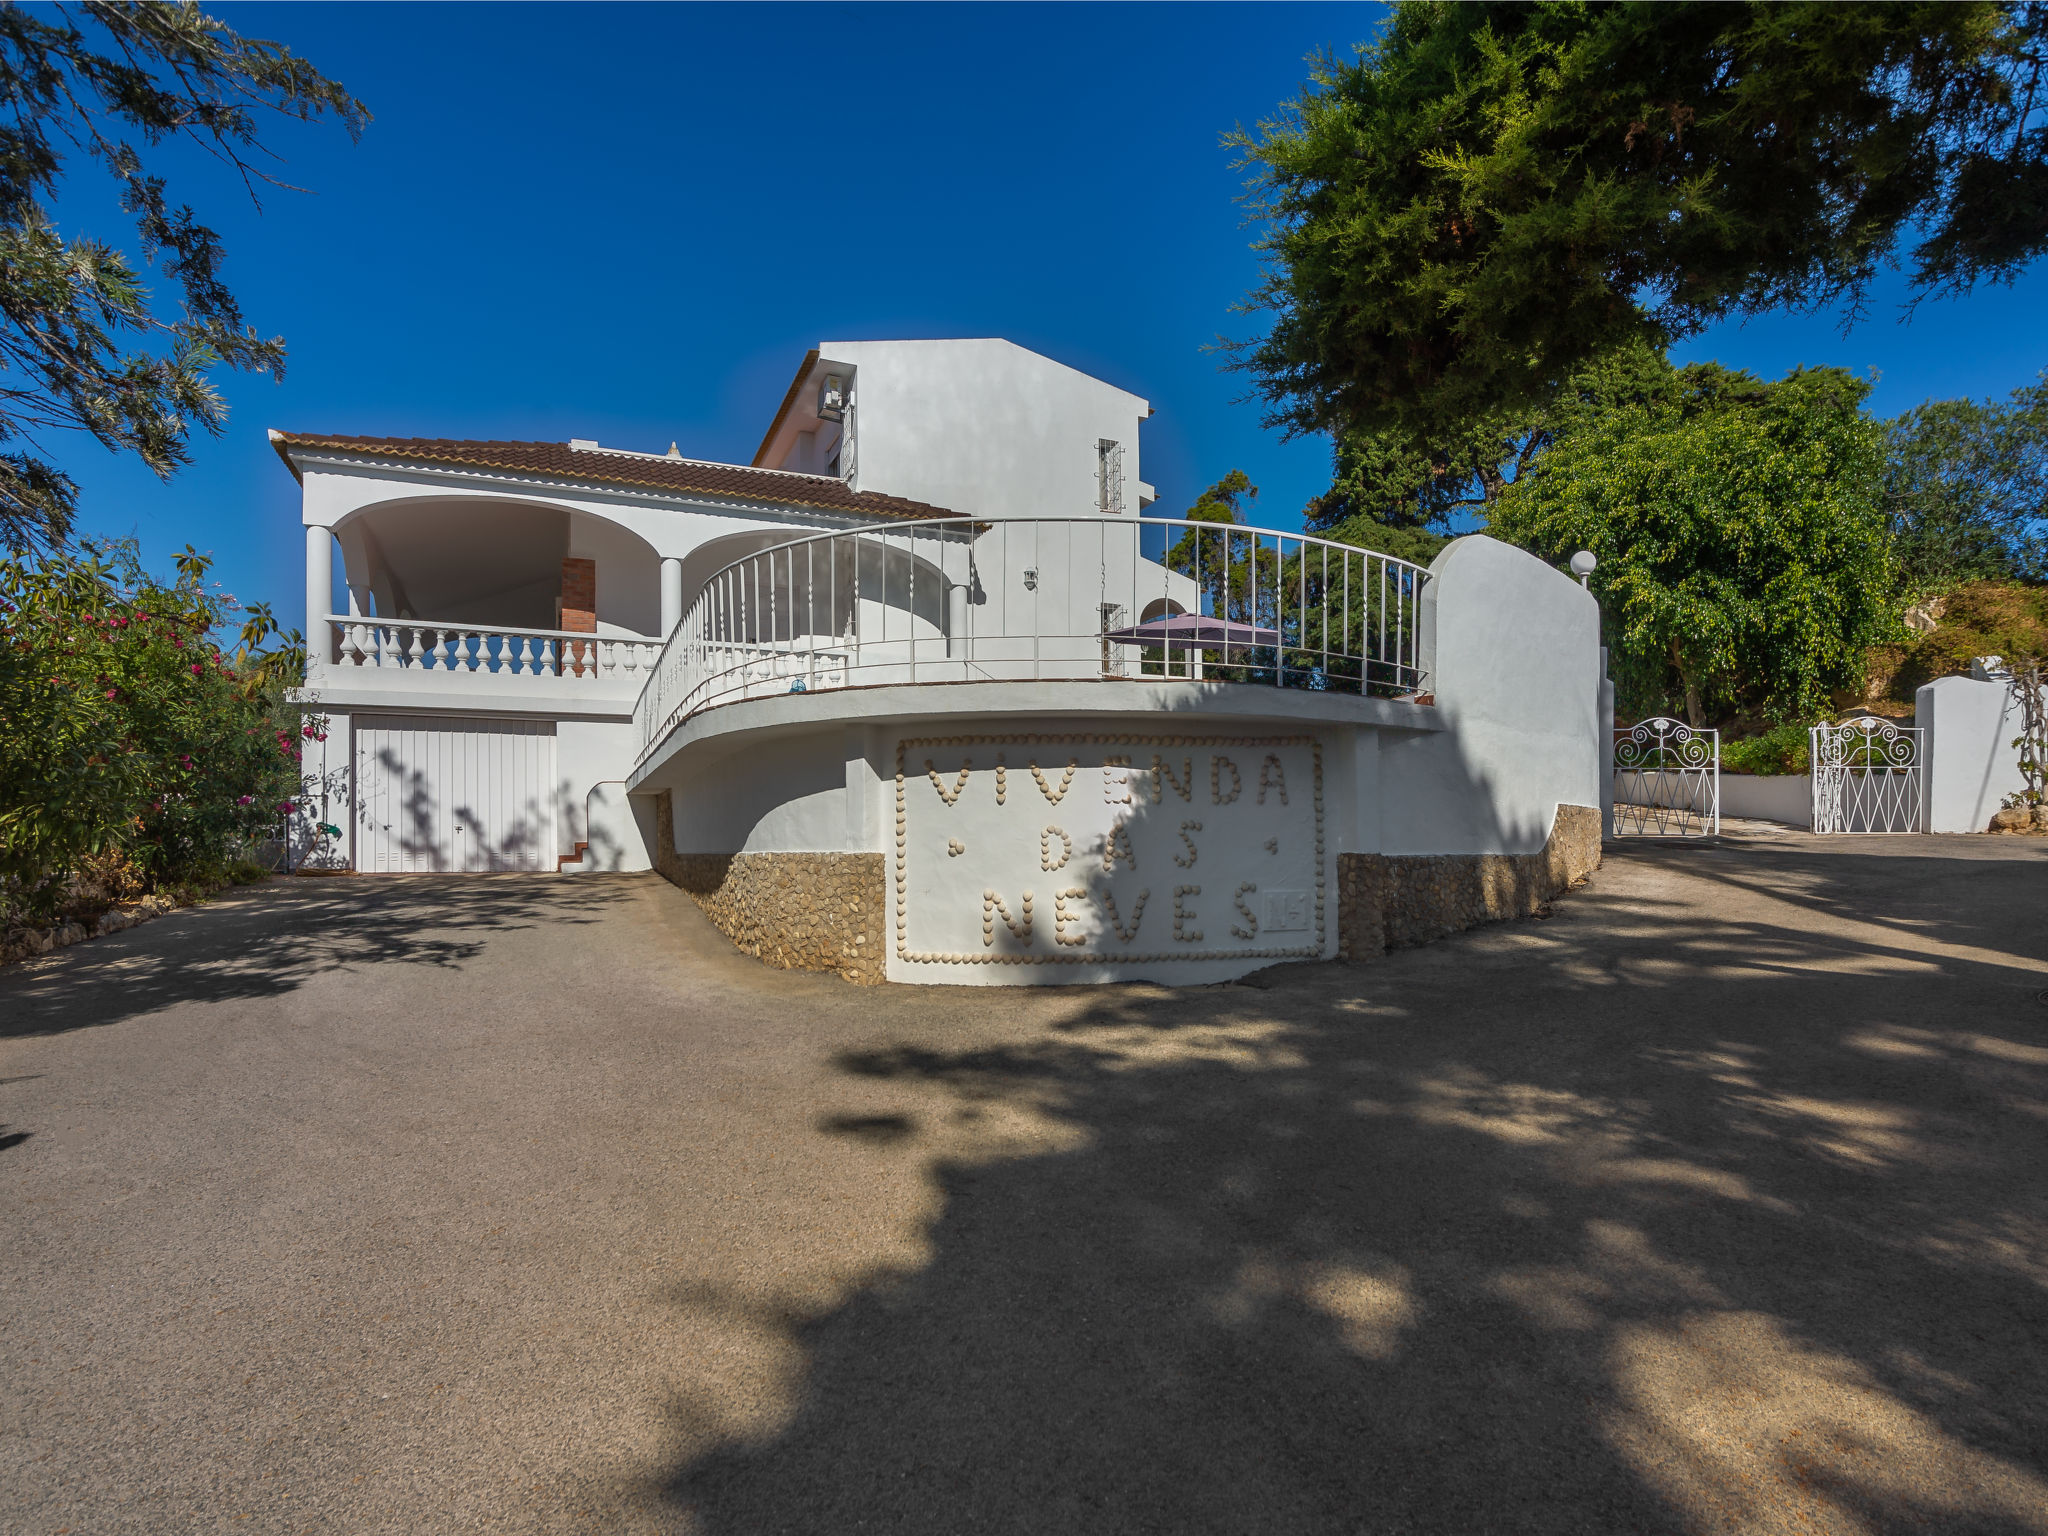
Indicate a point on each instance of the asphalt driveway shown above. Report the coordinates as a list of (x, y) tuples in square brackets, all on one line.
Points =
[(1714, 1202)]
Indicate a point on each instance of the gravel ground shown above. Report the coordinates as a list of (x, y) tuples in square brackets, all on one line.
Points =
[(1712, 1203)]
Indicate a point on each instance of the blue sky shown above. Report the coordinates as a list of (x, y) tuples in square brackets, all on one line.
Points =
[(629, 222)]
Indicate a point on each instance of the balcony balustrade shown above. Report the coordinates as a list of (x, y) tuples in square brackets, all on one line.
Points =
[(954, 600), (416, 653), (944, 600)]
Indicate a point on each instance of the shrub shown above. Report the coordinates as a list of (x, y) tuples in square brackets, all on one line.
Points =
[(1782, 749), (125, 731)]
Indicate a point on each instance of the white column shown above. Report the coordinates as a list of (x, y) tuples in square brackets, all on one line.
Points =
[(319, 593), (956, 619), (671, 595)]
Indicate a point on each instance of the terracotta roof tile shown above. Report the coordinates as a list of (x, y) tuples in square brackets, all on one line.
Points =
[(610, 467)]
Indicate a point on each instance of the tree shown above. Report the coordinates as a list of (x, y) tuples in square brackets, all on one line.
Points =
[(1741, 537), (1966, 487), (1228, 567), (1489, 198), (1316, 606), (82, 345), (1398, 483), (1390, 491)]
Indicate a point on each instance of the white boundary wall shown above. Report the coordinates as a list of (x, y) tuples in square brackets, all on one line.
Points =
[(1972, 764), (1781, 797), (1511, 649)]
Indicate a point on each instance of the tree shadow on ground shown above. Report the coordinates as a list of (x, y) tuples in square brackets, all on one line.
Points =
[(272, 938), (1613, 1222)]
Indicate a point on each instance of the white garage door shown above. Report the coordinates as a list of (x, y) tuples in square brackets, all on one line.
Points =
[(454, 794)]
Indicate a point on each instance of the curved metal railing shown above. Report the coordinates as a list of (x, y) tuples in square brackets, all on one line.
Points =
[(947, 600)]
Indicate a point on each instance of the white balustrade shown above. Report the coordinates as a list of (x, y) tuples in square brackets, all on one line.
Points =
[(615, 664)]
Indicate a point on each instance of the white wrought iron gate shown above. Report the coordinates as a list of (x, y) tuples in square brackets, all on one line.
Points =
[(1667, 779), (1867, 777)]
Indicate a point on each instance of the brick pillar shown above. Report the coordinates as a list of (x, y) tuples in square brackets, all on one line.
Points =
[(579, 611)]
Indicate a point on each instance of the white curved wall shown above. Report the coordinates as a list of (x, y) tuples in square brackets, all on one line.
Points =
[(1511, 648)]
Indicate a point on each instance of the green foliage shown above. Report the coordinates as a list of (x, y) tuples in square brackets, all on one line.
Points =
[(1967, 490), (1780, 750), (1489, 198), (1231, 569), (73, 312), (1741, 540), (1979, 618), (123, 729), (2030, 692), (1398, 483), (1320, 603), (1226, 501), (1418, 546)]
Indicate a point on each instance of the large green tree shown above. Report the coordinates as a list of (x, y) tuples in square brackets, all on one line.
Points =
[(1966, 486), (1387, 479), (1490, 197), (83, 342), (1744, 558)]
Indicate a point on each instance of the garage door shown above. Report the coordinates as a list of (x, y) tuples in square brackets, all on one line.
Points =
[(434, 793)]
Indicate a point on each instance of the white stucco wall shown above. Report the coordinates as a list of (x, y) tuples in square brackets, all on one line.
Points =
[(329, 793), (628, 575), (779, 796), (1512, 651), (1972, 764), (984, 427), (1786, 798), (619, 829)]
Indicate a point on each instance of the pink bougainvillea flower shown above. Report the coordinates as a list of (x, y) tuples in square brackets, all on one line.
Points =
[(245, 800), (110, 693), (195, 669)]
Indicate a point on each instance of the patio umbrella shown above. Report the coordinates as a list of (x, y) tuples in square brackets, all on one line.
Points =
[(1193, 632)]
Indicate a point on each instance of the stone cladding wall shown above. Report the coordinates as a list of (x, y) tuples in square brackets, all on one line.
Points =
[(795, 911), (1394, 901)]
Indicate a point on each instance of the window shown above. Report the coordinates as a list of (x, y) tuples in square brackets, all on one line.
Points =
[(1109, 477)]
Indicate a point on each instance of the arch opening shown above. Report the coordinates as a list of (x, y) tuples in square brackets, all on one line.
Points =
[(496, 562)]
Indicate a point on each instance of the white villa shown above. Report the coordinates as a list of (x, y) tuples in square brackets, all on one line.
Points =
[(920, 694)]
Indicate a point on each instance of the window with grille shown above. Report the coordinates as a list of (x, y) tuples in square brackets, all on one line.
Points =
[(1109, 477)]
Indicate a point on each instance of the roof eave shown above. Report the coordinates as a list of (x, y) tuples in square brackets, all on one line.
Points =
[(782, 411), (279, 442), (384, 456)]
